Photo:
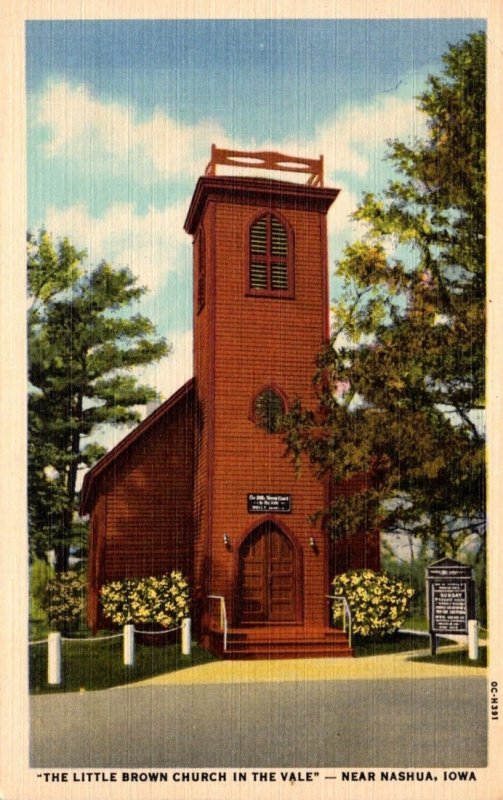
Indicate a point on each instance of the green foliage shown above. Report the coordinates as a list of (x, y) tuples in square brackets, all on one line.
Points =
[(40, 573), (378, 602), (51, 269), (64, 600), (401, 383), (413, 572), (82, 350), (164, 601)]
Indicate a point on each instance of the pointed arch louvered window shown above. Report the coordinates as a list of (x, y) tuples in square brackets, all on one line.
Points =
[(270, 266)]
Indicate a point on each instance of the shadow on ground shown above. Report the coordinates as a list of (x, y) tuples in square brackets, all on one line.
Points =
[(453, 658)]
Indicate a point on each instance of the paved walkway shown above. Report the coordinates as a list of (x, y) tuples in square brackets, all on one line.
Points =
[(392, 666)]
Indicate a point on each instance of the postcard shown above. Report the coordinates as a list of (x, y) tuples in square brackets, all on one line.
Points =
[(251, 534)]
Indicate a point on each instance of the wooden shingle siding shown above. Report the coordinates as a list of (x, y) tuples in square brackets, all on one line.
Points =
[(142, 517), (244, 343), (173, 494)]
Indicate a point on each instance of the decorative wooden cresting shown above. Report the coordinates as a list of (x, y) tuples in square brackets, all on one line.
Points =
[(263, 159)]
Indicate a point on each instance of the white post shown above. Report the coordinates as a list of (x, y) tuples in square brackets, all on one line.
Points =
[(186, 636), (128, 649), (54, 659), (473, 640)]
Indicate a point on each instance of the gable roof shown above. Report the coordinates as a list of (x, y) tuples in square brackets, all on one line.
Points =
[(165, 408), (446, 562)]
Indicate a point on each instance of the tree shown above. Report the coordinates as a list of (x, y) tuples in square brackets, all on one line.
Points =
[(401, 382), (82, 350)]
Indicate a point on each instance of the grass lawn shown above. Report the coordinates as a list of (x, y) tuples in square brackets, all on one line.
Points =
[(98, 665), (409, 642), (416, 623), (456, 658), (396, 643), (420, 623)]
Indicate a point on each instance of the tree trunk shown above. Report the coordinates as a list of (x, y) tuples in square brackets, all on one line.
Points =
[(436, 530), (63, 548), (62, 553)]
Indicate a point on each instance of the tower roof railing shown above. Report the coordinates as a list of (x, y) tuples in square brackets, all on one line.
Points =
[(264, 159)]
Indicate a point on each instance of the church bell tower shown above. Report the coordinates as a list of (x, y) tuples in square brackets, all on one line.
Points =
[(261, 314)]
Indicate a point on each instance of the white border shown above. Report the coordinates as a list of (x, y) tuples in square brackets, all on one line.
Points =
[(17, 782)]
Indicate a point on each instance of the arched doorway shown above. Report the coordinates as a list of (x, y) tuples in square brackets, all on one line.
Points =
[(267, 576)]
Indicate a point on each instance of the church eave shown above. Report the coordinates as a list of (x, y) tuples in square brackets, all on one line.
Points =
[(256, 191)]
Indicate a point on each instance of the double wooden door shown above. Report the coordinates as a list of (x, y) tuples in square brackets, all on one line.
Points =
[(267, 576)]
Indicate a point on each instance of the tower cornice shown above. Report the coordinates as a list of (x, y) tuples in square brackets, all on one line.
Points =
[(256, 191)]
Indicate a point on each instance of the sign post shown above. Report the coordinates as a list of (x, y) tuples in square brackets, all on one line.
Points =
[(473, 639), (451, 599)]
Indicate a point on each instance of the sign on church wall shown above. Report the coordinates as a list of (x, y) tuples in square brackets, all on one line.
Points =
[(272, 503)]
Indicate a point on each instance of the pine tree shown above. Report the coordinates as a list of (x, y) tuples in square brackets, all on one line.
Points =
[(82, 350)]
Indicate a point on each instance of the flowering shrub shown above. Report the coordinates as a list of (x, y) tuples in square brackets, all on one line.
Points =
[(63, 600), (378, 602), (164, 601)]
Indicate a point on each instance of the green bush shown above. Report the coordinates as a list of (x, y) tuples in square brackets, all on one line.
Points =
[(378, 602), (164, 601), (64, 600), (412, 571), (40, 573)]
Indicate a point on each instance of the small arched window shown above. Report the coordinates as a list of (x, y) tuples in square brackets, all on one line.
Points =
[(268, 409), (270, 264)]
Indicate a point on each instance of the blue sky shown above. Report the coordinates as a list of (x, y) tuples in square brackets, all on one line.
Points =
[(122, 114)]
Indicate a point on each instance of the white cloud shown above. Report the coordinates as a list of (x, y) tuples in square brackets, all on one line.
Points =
[(107, 138), (89, 131), (172, 372), (351, 140), (151, 244), (92, 132), (340, 212)]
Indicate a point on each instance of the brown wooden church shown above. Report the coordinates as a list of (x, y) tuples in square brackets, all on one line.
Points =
[(199, 486)]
